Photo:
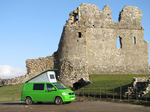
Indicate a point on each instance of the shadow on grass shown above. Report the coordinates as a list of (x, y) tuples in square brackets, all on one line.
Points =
[(121, 90)]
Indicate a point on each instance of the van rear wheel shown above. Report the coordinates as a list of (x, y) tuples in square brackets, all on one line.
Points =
[(58, 101), (28, 100)]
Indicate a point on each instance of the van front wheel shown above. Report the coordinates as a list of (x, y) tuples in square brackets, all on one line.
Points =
[(58, 101), (28, 100)]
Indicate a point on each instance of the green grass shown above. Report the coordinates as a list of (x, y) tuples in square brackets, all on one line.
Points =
[(109, 83), (105, 84), (10, 93)]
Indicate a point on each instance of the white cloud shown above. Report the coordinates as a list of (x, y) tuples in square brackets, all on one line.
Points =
[(7, 71)]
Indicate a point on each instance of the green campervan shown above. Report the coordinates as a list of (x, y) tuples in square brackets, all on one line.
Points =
[(45, 88)]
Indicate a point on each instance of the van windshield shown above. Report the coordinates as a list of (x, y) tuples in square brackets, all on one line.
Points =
[(59, 85)]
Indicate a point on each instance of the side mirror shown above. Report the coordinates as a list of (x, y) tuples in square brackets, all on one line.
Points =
[(53, 89)]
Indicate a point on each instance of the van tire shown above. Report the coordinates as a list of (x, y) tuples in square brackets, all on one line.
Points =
[(39, 102), (28, 101), (58, 101)]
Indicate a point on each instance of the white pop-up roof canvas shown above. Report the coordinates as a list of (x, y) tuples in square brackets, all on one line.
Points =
[(46, 76)]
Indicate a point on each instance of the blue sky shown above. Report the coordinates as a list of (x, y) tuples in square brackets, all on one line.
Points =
[(32, 28)]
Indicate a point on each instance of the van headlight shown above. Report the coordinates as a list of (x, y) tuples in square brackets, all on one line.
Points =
[(64, 93)]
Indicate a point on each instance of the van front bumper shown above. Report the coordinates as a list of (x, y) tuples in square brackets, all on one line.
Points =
[(68, 98)]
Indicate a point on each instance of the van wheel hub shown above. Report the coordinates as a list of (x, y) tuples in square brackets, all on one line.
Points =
[(28, 101), (58, 101)]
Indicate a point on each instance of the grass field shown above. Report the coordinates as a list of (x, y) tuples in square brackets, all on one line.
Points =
[(10, 93), (107, 83)]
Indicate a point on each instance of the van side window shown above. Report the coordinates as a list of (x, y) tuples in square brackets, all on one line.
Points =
[(38, 87), (49, 87)]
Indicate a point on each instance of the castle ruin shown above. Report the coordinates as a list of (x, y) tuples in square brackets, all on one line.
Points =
[(88, 45)]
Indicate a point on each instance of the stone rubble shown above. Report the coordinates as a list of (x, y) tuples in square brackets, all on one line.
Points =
[(140, 87)]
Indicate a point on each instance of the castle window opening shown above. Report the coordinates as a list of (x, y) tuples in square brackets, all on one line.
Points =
[(134, 40), (76, 17), (119, 42), (79, 34), (93, 26), (83, 11)]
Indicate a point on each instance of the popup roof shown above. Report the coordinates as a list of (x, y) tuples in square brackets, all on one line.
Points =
[(46, 76)]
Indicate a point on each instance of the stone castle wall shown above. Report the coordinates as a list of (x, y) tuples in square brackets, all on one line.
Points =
[(36, 66), (129, 59), (102, 52)]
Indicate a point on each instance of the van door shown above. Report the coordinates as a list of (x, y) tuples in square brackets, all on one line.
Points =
[(38, 92), (50, 93)]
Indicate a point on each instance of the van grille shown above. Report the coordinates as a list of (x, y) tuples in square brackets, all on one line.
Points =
[(71, 93)]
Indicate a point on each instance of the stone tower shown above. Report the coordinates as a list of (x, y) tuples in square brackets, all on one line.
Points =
[(88, 44)]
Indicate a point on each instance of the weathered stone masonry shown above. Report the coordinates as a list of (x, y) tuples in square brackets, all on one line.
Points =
[(36, 66), (88, 45)]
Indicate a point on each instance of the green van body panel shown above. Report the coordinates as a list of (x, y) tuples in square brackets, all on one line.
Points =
[(46, 95)]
